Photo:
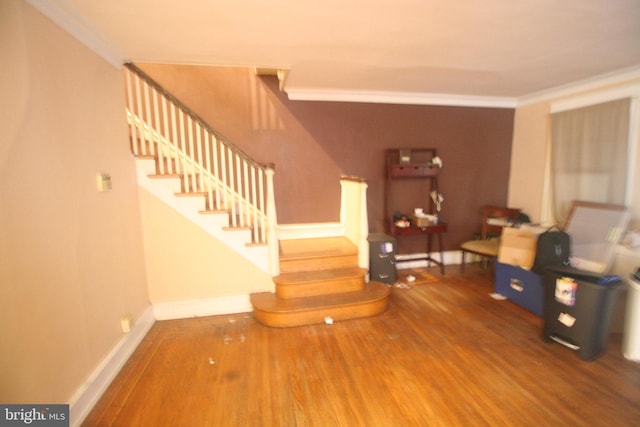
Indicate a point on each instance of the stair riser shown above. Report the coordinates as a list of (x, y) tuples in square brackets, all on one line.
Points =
[(320, 287), (318, 315), (316, 264)]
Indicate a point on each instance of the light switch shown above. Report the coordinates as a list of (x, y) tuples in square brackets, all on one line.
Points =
[(104, 182)]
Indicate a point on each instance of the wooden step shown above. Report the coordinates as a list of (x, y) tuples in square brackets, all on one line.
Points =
[(319, 278), (317, 254), (188, 183), (285, 312), (310, 283), (165, 176)]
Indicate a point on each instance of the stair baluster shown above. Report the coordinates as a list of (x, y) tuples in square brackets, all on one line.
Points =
[(184, 145)]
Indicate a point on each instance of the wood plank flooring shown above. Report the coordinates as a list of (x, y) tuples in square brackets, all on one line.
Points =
[(443, 354)]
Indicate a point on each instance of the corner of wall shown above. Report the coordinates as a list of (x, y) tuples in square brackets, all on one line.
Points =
[(90, 392)]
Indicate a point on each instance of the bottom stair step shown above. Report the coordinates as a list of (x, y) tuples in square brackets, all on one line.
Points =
[(283, 312), (322, 282)]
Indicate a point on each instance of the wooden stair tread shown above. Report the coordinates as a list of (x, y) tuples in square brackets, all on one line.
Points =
[(316, 248), (313, 276), (164, 175), (269, 302), (213, 211), (191, 194)]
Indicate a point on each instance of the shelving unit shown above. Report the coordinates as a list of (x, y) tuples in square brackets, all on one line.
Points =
[(414, 164)]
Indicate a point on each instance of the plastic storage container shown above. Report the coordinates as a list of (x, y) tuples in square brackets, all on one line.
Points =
[(631, 332), (578, 309), (520, 286)]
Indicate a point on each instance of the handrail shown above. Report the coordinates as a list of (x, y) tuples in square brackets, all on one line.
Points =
[(144, 76), (191, 165)]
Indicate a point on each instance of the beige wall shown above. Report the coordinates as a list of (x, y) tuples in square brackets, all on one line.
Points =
[(184, 263), (528, 159), (71, 258), (531, 145)]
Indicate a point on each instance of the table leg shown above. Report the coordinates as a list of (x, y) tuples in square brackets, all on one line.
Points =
[(441, 253)]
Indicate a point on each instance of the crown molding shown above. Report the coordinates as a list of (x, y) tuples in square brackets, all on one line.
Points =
[(66, 17), (625, 76), (620, 77), (380, 97), (630, 90)]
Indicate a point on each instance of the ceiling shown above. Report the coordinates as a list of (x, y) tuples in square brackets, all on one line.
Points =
[(491, 52)]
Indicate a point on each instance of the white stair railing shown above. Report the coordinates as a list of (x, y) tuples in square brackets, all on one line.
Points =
[(182, 144)]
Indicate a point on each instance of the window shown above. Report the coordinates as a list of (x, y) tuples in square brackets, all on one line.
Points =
[(590, 154)]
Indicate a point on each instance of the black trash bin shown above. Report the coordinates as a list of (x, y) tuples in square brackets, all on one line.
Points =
[(578, 308)]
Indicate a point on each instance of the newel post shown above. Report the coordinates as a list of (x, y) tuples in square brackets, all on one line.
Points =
[(353, 215), (272, 224), (363, 246)]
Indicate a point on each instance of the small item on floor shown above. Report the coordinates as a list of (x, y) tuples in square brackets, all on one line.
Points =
[(497, 296), (328, 320), (211, 361), (401, 285), (411, 278)]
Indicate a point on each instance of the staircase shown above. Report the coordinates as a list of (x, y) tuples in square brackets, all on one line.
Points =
[(185, 163), (319, 281), (189, 166)]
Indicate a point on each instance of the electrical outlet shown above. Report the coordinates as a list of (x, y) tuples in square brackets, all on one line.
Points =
[(126, 323)]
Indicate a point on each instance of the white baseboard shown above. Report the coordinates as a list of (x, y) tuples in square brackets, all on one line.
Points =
[(202, 307), (414, 261), (90, 392)]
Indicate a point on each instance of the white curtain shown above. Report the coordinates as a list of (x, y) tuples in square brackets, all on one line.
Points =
[(589, 148)]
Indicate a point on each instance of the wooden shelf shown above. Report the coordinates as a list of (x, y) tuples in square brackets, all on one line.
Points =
[(414, 163), (412, 170)]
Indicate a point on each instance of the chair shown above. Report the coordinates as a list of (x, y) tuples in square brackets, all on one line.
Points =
[(494, 218)]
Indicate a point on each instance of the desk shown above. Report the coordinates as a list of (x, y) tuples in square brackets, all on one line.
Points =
[(437, 229)]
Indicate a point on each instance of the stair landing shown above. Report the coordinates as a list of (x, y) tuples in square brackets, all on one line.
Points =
[(319, 279)]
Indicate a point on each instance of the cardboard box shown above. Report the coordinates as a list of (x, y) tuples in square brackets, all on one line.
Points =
[(517, 247), (421, 221)]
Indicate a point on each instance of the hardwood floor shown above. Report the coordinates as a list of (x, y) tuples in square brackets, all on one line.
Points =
[(443, 354)]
